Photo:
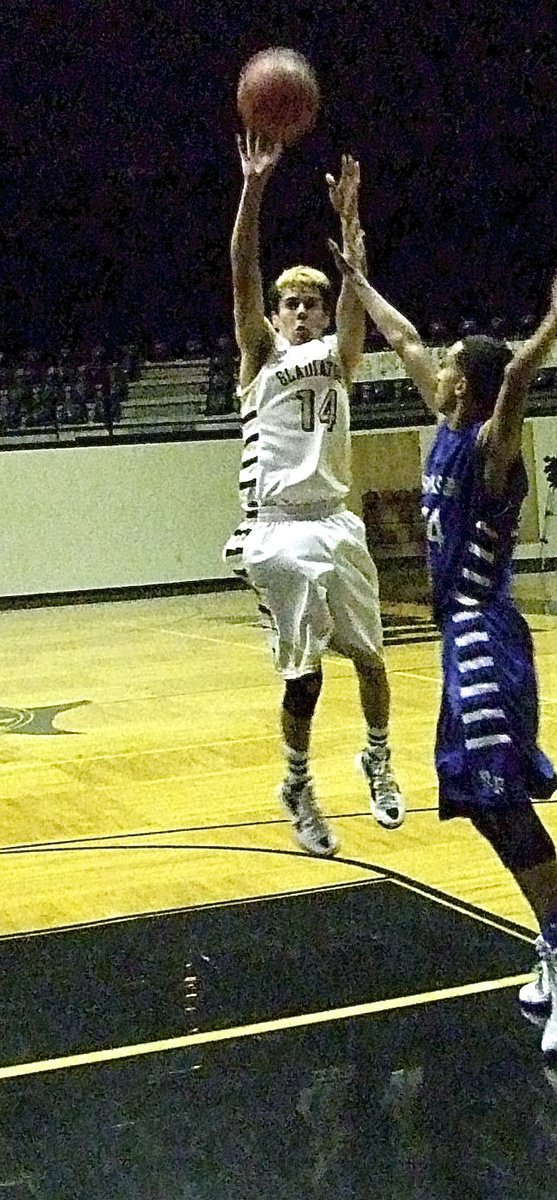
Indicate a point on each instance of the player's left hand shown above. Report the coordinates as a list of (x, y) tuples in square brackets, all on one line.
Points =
[(344, 194)]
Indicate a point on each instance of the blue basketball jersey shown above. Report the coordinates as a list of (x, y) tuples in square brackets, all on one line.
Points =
[(486, 748), (470, 533)]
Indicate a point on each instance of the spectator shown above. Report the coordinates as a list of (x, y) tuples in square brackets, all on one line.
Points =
[(374, 341), (467, 327), (100, 386), (222, 377), (68, 367), (51, 397), (499, 328), (5, 378), (526, 325), (32, 376), (438, 334), (130, 361), (118, 386), (81, 396), (160, 352)]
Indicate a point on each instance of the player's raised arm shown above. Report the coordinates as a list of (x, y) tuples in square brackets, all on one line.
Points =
[(502, 433), (252, 330), (350, 316), (396, 329)]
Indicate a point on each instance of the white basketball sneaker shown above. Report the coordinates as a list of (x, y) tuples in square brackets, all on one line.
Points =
[(548, 955), (310, 827), (386, 801)]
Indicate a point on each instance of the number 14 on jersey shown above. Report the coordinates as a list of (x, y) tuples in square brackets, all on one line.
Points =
[(326, 414)]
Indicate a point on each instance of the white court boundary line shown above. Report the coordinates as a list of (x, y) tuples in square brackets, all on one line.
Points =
[(259, 1029)]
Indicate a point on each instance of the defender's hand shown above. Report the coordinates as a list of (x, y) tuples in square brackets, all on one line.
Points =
[(352, 274), (344, 194)]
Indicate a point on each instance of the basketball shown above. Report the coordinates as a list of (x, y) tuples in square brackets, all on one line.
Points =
[(278, 95)]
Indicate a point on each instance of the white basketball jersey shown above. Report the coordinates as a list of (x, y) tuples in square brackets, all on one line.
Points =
[(296, 428)]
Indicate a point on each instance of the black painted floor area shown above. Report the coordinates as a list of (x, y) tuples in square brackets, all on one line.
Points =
[(424, 1104), (428, 1102), (127, 981)]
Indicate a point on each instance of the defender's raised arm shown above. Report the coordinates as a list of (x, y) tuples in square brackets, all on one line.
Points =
[(502, 433), (350, 315), (396, 329)]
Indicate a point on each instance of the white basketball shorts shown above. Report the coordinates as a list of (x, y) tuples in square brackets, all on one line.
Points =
[(319, 584)]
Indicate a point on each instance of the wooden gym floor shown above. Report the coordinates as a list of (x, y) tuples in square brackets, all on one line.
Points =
[(161, 934), (143, 737)]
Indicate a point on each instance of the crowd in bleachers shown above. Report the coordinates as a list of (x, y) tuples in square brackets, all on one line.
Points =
[(443, 333), (88, 388), (71, 388)]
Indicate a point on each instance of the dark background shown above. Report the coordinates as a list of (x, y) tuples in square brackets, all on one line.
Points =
[(120, 178)]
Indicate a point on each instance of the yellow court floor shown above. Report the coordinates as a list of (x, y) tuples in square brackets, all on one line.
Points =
[(140, 757)]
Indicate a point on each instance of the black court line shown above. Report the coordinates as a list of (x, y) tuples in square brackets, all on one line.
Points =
[(81, 842), (389, 875), (30, 847)]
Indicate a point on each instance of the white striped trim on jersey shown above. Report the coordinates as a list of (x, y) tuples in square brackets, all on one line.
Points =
[(482, 714), (487, 529), (491, 739), (462, 598), (478, 689), (479, 552), (484, 720), (475, 664), (468, 639), (475, 577)]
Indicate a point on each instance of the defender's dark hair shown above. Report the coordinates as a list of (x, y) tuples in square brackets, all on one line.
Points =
[(483, 360)]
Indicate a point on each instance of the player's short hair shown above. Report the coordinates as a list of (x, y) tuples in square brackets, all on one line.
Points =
[(482, 361), (301, 277)]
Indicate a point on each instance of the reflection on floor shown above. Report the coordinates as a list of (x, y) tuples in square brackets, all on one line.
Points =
[(429, 1104), (426, 1101)]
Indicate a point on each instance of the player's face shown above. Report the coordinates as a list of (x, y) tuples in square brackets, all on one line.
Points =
[(301, 315), (449, 376)]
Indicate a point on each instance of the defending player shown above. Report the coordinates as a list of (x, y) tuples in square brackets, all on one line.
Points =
[(488, 763), (304, 553)]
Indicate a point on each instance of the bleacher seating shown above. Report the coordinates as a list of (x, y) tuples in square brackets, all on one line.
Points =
[(174, 398), (168, 393)]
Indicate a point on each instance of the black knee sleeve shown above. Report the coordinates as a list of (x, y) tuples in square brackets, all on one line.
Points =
[(517, 836), (301, 695)]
